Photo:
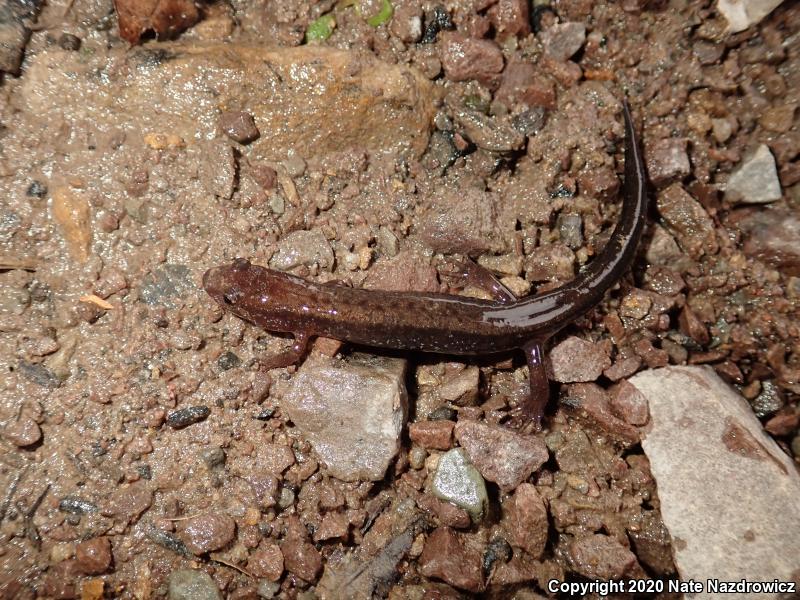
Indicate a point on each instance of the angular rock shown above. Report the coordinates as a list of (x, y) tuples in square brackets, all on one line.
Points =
[(302, 248), (466, 58), (446, 557), (501, 455), (437, 435), (687, 220), (352, 411), (299, 556), (629, 404), (601, 557), (755, 181), (321, 100), (590, 404), (668, 160), (773, 236), (266, 562), (576, 359), (728, 493), (457, 481), (525, 520), (562, 40), (741, 14), (510, 18)]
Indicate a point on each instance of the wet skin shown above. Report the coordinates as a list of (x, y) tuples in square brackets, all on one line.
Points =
[(431, 322)]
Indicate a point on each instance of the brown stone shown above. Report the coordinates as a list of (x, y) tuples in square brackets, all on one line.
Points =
[(688, 220), (208, 532), (524, 84), (23, 432), (448, 514), (601, 557), (590, 404), (510, 18), (93, 556), (691, 325), (299, 556), (437, 435), (334, 525), (667, 160), (465, 58), (446, 556), (129, 502), (239, 126), (266, 562), (525, 520)]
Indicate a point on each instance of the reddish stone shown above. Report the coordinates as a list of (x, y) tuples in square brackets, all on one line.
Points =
[(446, 556), (448, 514), (506, 457), (432, 434), (591, 405), (465, 58), (299, 556), (510, 18), (208, 532), (601, 557), (525, 520), (629, 404), (266, 562), (93, 556), (691, 325), (524, 84)]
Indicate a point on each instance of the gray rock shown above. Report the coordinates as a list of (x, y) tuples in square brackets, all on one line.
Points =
[(741, 14), (457, 481), (188, 584), (756, 180), (351, 411), (562, 40), (728, 493), (164, 283), (302, 248)]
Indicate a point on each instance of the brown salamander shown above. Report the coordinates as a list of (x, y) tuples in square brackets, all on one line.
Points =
[(432, 322)]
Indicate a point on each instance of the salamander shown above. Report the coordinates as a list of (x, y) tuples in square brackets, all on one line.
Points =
[(433, 322)]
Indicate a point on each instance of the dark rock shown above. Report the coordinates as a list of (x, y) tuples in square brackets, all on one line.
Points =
[(228, 360), (187, 416)]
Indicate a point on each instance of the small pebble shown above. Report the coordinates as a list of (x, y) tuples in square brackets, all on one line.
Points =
[(36, 190), (208, 532), (756, 180), (23, 432), (70, 42), (187, 416), (239, 126), (93, 556), (228, 360), (457, 481)]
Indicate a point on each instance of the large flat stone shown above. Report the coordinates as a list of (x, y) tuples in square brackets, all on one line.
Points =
[(313, 100), (729, 495)]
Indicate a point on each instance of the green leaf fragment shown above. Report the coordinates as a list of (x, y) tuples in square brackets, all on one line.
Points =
[(320, 29), (382, 16)]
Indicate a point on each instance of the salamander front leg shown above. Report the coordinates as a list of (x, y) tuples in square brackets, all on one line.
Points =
[(288, 357), (533, 407)]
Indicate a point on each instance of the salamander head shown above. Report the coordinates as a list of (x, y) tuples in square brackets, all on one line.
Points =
[(227, 284)]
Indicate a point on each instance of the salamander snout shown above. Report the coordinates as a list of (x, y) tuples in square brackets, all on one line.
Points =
[(222, 283)]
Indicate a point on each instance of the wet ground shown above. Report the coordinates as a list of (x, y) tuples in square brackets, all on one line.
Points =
[(145, 451)]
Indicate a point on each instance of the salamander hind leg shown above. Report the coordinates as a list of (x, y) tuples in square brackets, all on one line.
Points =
[(467, 273), (288, 357)]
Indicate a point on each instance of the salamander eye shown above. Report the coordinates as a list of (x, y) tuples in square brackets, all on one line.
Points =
[(232, 296)]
